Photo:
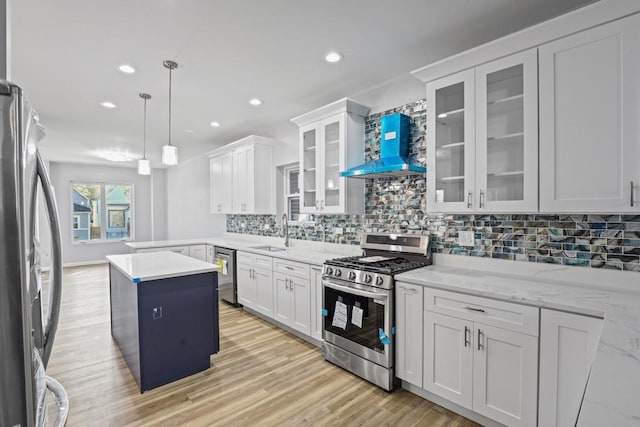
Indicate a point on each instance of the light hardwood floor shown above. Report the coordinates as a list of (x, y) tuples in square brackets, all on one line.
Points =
[(262, 376)]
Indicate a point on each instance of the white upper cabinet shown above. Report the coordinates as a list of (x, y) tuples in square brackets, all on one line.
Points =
[(243, 177), (451, 143), (331, 140), (507, 134), (589, 112), (482, 139), (220, 176)]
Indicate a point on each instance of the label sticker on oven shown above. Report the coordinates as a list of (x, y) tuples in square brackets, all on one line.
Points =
[(356, 316), (340, 316)]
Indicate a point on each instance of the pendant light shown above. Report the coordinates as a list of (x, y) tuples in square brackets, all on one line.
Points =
[(170, 152), (144, 167)]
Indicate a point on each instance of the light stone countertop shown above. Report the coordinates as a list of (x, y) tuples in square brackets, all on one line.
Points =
[(613, 391), (314, 253), (144, 267)]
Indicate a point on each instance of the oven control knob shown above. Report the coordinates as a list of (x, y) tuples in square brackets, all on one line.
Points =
[(329, 270), (352, 275), (337, 273), (367, 278), (379, 280)]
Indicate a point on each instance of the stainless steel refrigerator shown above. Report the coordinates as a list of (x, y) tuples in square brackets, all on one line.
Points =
[(27, 326)]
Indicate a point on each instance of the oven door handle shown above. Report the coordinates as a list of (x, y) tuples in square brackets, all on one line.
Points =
[(354, 291)]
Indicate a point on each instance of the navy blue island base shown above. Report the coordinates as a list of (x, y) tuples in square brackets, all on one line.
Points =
[(167, 328)]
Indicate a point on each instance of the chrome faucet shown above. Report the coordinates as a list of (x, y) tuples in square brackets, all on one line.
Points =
[(285, 225)]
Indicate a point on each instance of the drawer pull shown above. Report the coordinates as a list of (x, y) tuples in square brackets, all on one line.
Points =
[(288, 267), (408, 289), (479, 310)]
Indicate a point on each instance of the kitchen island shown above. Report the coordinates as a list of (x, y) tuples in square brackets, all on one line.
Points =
[(164, 315)]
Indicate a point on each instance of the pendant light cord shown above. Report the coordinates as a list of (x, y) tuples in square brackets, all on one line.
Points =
[(144, 132), (170, 70)]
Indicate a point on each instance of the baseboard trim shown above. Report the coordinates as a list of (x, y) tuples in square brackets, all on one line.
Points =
[(83, 263), (284, 327), (453, 407)]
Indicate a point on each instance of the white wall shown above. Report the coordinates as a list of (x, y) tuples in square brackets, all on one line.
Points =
[(145, 210), (188, 201)]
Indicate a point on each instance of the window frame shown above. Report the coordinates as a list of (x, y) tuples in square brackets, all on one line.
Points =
[(104, 213), (287, 170)]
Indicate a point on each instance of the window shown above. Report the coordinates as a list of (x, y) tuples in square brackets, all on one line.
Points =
[(292, 195), (101, 211)]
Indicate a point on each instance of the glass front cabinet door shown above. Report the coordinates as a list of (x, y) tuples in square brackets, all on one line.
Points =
[(451, 143), (507, 134), (322, 148), (309, 153), (482, 138)]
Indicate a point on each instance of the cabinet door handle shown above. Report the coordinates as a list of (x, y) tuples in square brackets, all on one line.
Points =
[(631, 198), (321, 204), (466, 336), (480, 310), (317, 205), (252, 273), (291, 285), (480, 335), (481, 199), (286, 284), (469, 200)]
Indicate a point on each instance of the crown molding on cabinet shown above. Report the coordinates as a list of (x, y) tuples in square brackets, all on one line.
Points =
[(597, 13)]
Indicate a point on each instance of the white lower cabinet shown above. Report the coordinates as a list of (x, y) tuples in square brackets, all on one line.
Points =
[(184, 250), (254, 281), (505, 375), (292, 295), (409, 333), (198, 252), (478, 353), (316, 303), (448, 358), (568, 343)]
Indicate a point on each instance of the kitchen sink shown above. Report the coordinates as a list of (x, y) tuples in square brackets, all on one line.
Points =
[(270, 248)]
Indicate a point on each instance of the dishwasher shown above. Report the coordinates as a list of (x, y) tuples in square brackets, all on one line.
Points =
[(227, 287)]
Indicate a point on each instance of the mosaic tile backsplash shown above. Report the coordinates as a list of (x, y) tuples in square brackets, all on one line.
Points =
[(399, 204)]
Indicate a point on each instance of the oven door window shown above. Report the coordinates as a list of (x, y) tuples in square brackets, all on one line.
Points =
[(372, 318)]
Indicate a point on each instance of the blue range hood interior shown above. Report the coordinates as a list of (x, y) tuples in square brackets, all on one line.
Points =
[(394, 152)]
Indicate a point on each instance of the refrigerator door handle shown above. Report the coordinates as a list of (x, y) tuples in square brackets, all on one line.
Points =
[(55, 278)]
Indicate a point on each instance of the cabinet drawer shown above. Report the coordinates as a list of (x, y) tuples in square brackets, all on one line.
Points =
[(257, 261), (506, 315), (291, 268), (184, 250), (262, 261), (145, 250), (244, 257)]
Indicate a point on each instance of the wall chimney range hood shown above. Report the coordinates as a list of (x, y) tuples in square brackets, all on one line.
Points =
[(394, 152)]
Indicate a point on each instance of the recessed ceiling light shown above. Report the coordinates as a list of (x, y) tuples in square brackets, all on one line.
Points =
[(188, 130), (127, 69), (217, 124), (333, 57), (255, 101), (108, 104)]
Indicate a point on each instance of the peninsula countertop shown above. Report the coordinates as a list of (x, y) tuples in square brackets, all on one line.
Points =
[(143, 267), (612, 393)]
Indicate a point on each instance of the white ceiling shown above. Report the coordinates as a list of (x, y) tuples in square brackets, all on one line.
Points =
[(65, 55)]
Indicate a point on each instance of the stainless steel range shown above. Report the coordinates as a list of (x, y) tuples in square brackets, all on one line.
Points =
[(358, 298)]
